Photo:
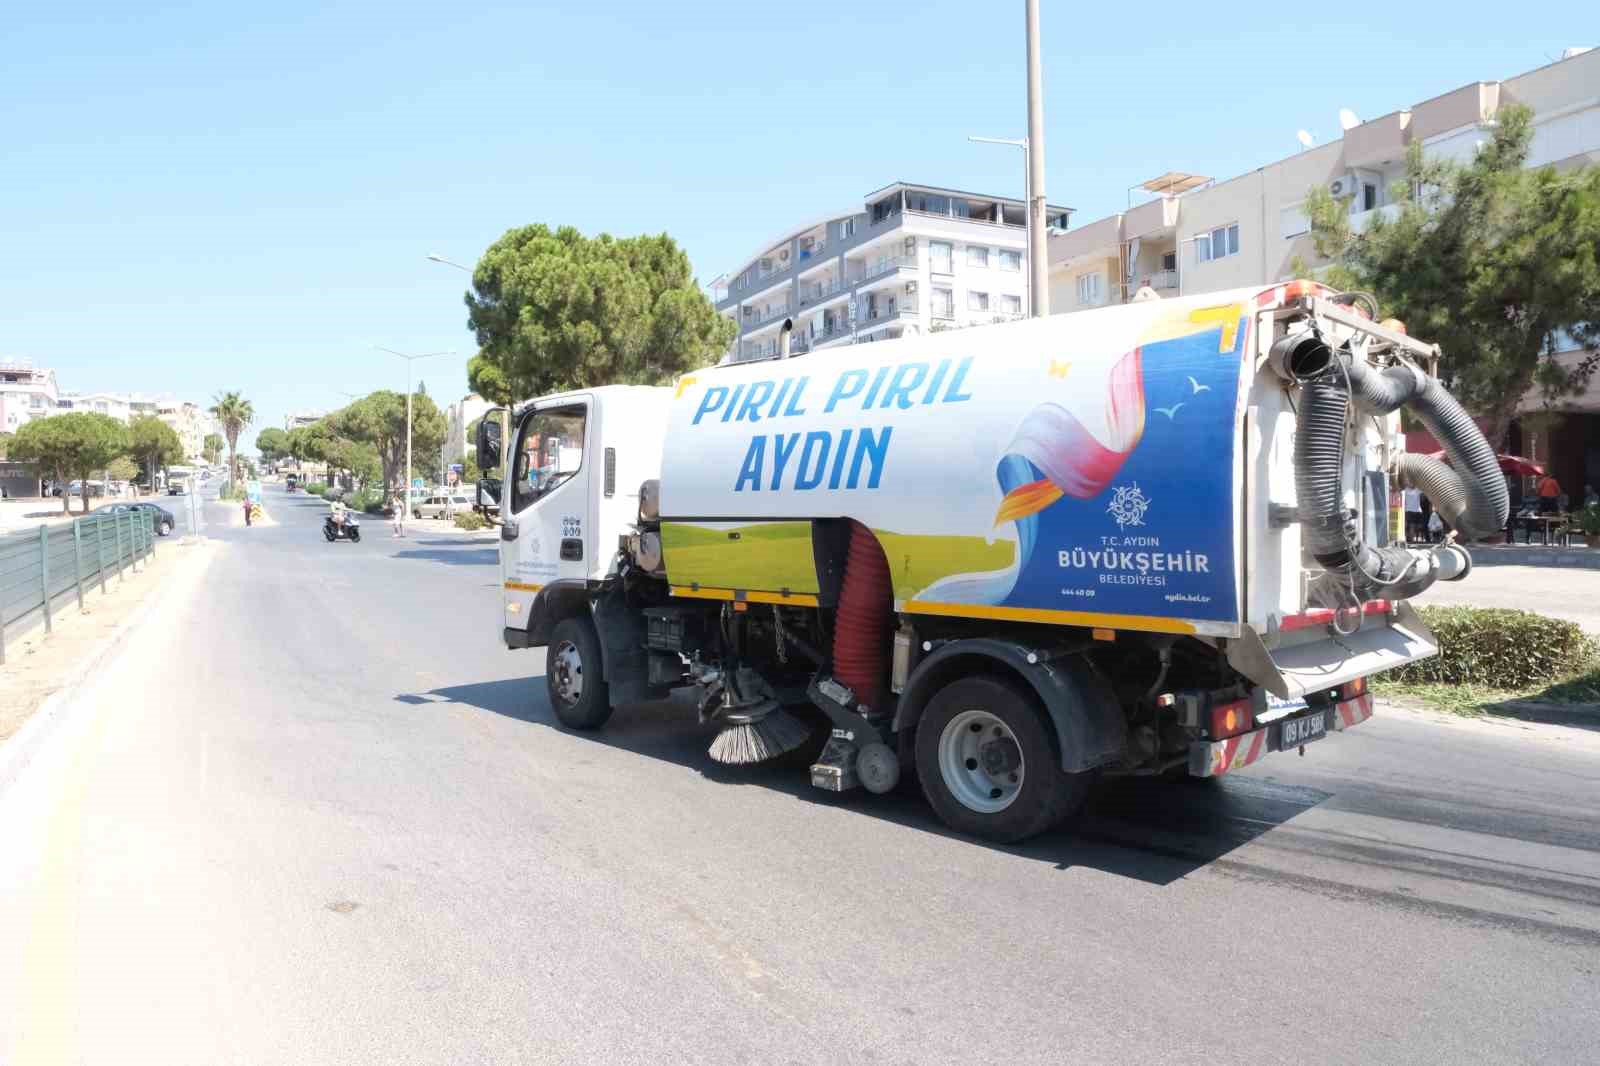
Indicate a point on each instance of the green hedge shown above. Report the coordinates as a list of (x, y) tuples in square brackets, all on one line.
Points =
[(1497, 647), (317, 488), (470, 520)]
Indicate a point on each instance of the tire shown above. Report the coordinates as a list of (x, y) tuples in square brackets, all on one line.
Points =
[(572, 675), (416, 512), (330, 534), (355, 536), (976, 719), (166, 529)]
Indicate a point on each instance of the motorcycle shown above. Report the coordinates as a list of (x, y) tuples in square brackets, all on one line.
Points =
[(350, 530)]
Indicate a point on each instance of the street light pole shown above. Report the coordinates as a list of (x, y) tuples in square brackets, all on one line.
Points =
[(406, 497), (1038, 270), (1027, 198)]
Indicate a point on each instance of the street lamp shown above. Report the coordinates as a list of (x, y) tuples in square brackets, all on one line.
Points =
[(449, 262), (1027, 185), (406, 499)]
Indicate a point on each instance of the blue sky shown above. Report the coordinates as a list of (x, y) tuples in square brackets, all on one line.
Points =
[(215, 196)]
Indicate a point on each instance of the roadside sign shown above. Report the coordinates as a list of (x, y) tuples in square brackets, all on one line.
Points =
[(417, 483), (252, 491)]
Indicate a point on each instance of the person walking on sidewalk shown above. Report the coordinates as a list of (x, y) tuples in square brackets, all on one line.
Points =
[(247, 512), (399, 508)]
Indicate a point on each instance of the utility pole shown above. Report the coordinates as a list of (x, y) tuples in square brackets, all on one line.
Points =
[(406, 496), (1038, 251)]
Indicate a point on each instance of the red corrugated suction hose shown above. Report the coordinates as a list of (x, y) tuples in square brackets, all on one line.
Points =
[(861, 631)]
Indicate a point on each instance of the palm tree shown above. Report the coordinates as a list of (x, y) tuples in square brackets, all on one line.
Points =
[(234, 413)]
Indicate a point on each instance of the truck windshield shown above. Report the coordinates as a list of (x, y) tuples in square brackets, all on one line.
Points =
[(551, 453)]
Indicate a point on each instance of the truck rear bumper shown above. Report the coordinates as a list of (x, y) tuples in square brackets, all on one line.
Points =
[(1212, 758)]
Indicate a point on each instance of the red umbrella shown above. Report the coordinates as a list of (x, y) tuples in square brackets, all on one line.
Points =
[(1510, 464)]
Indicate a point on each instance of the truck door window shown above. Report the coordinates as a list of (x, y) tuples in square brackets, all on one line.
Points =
[(551, 451)]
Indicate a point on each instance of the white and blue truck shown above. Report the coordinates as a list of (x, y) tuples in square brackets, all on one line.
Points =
[(1150, 540)]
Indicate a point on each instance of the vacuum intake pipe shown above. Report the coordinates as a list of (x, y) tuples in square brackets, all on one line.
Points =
[(1473, 496)]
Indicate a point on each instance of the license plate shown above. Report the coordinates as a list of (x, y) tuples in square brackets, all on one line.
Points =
[(1298, 731)]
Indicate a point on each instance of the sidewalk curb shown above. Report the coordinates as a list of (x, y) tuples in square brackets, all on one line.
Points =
[(17, 750)]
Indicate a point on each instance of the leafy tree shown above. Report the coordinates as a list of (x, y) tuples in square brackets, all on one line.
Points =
[(122, 468), (1488, 259), (234, 413), (211, 449), (71, 446), (273, 444), (379, 419), (153, 443), (5, 444), (555, 310)]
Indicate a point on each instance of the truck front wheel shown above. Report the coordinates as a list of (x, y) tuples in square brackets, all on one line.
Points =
[(987, 763), (578, 693)]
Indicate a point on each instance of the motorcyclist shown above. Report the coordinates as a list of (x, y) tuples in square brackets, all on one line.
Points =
[(338, 514)]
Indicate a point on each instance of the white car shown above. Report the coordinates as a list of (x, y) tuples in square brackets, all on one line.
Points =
[(442, 506)]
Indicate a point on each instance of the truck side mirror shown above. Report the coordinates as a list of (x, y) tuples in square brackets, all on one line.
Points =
[(488, 441), (488, 492)]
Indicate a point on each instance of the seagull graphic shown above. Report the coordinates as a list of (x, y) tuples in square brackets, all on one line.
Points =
[(1197, 387), (1170, 411)]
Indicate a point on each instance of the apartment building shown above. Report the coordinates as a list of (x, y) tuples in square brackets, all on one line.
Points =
[(458, 416), (116, 405), (191, 422), (1199, 235), (26, 392), (302, 419), (913, 258)]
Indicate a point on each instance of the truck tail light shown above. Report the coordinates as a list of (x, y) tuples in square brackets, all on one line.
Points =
[(1231, 719), (1352, 690)]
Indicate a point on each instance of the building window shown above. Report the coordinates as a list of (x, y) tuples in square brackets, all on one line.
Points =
[(1369, 196), (1169, 260), (939, 255), (944, 303), (1011, 305), (1088, 288), (847, 228), (977, 256), (977, 301), (1218, 244), (1010, 260), (36, 401)]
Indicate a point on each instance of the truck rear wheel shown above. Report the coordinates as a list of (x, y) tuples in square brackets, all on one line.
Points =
[(578, 693), (987, 763)]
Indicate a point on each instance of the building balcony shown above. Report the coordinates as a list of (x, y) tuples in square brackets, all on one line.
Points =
[(879, 268), (1160, 279), (815, 292), (771, 314), (1362, 219)]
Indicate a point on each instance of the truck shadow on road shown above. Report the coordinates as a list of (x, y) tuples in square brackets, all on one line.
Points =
[(455, 557), (1148, 830)]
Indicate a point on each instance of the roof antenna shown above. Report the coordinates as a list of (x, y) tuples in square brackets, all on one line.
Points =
[(1305, 138)]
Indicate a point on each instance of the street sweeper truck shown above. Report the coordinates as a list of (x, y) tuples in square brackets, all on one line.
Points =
[(1157, 539)]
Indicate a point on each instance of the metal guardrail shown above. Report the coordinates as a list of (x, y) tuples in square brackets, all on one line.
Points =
[(40, 568)]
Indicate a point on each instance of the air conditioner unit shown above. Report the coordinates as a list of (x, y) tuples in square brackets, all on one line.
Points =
[(1342, 186)]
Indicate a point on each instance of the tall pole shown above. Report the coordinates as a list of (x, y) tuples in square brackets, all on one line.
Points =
[(1038, 253), (406, 495)]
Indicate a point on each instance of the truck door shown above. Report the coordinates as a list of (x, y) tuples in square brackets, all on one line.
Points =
[(545, 504)]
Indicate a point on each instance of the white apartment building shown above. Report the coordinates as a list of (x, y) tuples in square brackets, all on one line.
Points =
[(26, 392), (458, 416), (116, 405), (913, 258), (1198, 235)]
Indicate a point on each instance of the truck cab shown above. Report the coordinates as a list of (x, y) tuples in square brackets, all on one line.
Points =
[(573, 471)]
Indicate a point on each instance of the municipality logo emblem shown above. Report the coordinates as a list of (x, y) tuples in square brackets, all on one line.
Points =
[(1128, 506)]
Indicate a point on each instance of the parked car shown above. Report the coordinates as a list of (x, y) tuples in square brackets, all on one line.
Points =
[(443, 506), (165, 521)]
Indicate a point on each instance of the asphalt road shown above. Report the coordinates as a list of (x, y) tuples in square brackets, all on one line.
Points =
[(356, 836)]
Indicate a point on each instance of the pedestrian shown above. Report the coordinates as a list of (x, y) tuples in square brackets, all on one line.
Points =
[(1435, 528), (399, 508), (1549, 494), (248, 513), (1415, 523)]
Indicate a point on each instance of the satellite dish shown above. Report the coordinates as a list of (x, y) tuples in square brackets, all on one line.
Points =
[(1305, 139), (1348, 119)]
